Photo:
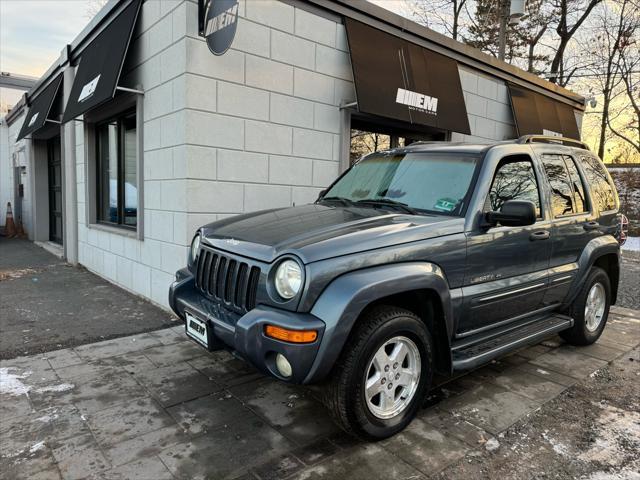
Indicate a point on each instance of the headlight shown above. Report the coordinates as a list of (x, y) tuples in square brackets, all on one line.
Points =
[(288, 279), (195, 247)]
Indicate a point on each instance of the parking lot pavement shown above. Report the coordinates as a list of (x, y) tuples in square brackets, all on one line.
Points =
[(155, 406), (628, 295), (46, 304)]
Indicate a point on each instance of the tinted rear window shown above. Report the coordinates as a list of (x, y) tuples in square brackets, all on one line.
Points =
[(601, 190), (561, 191), (578, 186)]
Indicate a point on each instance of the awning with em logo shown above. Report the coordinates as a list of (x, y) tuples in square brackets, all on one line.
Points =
[(40, 108), (401, 80), (96, 79)]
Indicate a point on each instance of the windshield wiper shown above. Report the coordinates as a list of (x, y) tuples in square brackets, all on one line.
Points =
[(343, 200), (387, 202)]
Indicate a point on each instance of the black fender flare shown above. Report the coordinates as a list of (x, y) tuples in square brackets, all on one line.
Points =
[(596, 248), (341, 303)]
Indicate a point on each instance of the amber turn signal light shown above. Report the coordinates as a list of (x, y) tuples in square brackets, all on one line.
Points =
[(292, 336)]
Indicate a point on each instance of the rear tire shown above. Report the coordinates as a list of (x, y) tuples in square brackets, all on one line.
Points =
[(590, 309), (368, 365)]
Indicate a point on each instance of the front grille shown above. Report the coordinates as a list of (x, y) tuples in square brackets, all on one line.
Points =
[(227, 280)]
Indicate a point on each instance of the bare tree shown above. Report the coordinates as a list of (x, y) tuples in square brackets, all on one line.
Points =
[(363, 143), (571, 14), (613, 53), (532, 29), (444, 16), (93, 7), (484, 30), (629, 71)]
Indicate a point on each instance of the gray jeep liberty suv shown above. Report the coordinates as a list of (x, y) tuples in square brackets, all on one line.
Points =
[(432, 258)]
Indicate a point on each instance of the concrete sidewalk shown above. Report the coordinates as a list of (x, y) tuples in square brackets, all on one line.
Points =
[(46, 304), (155, 406)]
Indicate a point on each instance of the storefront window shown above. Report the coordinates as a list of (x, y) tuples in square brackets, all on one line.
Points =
[(117, 166), (375, 134)]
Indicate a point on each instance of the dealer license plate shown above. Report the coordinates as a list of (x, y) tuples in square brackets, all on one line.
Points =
[(197, 329)]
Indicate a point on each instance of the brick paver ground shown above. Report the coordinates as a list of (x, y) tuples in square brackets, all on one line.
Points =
[(156, 406)]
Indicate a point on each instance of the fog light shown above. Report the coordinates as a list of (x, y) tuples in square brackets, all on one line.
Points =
[(283, 365)]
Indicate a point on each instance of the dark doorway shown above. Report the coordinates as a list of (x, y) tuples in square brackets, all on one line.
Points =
[(55, 189)]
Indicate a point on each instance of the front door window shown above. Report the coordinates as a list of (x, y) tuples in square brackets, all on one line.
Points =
[(514, 180)]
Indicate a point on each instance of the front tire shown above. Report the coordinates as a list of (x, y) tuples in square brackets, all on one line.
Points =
[(383, 374), (590, 309)]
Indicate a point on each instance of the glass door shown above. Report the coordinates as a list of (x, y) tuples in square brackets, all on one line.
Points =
[(55, 190)]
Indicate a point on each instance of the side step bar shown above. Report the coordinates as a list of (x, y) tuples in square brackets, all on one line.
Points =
[(472, 355)]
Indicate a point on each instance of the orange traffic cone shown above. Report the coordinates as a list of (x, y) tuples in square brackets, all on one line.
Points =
[(10, 226)]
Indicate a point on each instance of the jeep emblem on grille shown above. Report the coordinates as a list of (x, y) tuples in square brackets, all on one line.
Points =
[(232, 241)]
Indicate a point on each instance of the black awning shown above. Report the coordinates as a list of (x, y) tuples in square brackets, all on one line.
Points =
[(39, 109), (100, 64), (398, 79), (536, 114)]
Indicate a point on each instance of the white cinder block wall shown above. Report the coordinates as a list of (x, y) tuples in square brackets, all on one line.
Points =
[(488, 108), (264, 116)]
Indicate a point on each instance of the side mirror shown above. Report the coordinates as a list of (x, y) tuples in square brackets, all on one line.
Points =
[(514, 213), (322, 193)]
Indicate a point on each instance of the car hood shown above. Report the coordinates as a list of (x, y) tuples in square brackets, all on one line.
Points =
[(316, 232)]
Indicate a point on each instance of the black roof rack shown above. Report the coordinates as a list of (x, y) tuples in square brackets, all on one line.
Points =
[(569, 142)]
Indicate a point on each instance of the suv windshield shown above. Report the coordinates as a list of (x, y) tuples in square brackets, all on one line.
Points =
[(419, 182)]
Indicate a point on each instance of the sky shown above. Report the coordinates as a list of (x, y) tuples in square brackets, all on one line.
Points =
[(33, 33)]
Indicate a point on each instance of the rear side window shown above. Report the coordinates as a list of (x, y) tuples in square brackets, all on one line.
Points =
[(561, 191), (580, 200), (601, 190), (514, 180)]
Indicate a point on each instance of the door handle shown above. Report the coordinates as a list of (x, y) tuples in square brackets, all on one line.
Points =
[(591, 226), (539, 235)]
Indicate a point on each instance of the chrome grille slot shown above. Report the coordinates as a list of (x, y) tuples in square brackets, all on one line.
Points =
[(227, 280)]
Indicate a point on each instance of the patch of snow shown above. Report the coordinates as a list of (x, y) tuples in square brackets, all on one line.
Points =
[(63, 387), (542, 372), (492, 445), (624, 474), (47, 418), (632, 244), (16, 453), (558, 447), (32, 449), (36, 446), (11, 384), (617, 429)]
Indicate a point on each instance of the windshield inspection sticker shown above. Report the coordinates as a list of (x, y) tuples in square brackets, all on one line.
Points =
[(445, 204)]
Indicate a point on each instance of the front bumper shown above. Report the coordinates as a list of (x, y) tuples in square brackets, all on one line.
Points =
[(244, 334)]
